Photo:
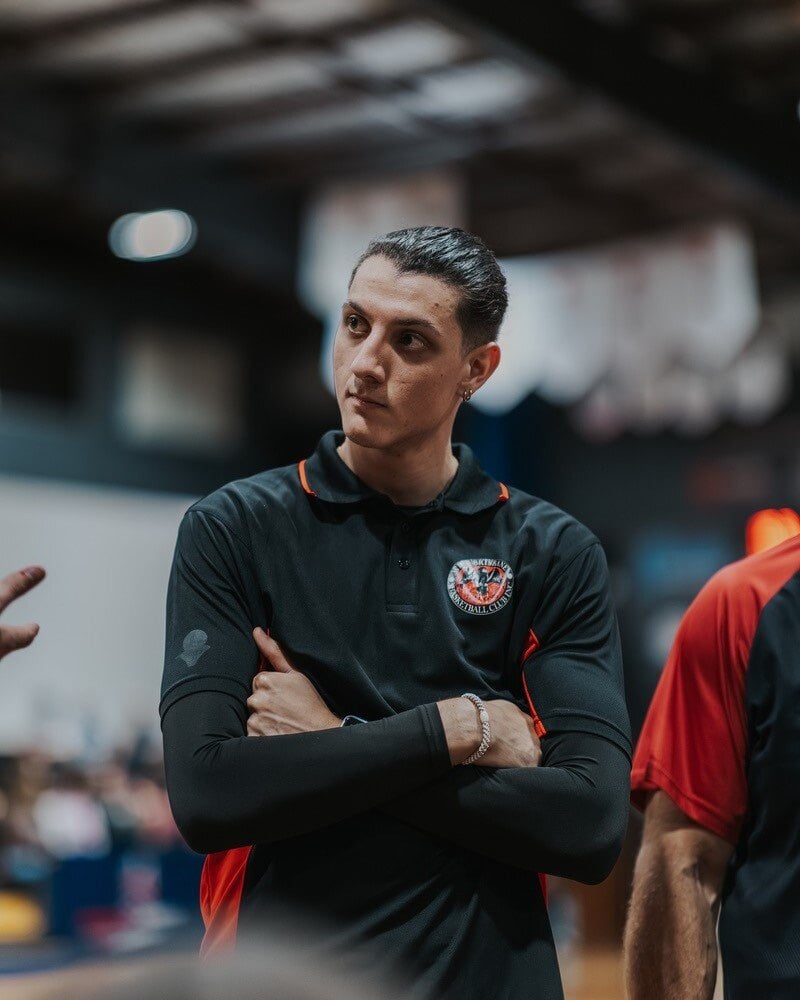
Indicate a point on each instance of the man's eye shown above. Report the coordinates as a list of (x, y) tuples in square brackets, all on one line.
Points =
[(352, 322), (413, 340)]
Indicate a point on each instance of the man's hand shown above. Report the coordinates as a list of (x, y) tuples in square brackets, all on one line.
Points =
[(11, 587), (514, 740), (284, 700)]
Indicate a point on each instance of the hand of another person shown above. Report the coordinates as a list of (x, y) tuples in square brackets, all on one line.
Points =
[(11, 587), (284, 700)]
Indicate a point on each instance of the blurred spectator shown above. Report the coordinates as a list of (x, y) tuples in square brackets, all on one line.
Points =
[(155, 823), (111, 784), (23, 859), (91, 847), (11, 587), (70, 822)]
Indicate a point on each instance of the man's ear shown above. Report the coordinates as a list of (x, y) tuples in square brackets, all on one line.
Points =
[(482, 362)]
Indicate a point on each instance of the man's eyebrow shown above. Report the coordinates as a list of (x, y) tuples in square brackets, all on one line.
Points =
[(425, 324)]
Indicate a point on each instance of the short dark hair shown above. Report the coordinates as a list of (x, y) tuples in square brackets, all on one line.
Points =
[(458, 258)]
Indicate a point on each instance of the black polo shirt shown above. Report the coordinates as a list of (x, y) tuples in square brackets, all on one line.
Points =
[(387, 610)]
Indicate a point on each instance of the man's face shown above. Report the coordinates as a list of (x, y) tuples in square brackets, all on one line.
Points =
[(398, 358)]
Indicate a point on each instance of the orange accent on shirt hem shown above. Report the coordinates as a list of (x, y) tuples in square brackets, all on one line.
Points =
[(221, 886)]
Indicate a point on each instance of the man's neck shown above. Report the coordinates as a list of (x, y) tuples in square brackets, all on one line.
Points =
[(410, 477)]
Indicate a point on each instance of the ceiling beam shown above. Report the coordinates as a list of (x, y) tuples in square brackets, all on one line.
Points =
[(700, 13), (620, 61)]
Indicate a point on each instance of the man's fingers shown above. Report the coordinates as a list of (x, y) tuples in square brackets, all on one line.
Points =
[(16, 637), (265, 680), (261, 679), (263, 641), (18, 583), (281, 664), (256, 701), (271, 651), (253, 730)]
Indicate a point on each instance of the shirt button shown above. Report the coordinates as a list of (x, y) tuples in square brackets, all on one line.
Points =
[(403, 563), (405, 527)]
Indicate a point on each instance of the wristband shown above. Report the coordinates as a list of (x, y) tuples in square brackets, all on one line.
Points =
[(351, 720), (486, 733)]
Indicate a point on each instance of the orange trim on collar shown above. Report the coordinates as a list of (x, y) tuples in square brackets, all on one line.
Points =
[(503, 492), (301, 469)]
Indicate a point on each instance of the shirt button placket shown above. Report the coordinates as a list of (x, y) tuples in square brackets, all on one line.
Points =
[(401, 575)]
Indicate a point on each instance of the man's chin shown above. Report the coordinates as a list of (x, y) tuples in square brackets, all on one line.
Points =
[(364, 437)]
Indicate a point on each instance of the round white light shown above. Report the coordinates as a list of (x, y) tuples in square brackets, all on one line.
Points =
[(152, 235)]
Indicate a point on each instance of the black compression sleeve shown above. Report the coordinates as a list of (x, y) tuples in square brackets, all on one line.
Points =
[(229, 790), (566, 817)]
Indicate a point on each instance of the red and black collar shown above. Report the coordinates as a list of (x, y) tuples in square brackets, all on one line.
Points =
[(325, 476)]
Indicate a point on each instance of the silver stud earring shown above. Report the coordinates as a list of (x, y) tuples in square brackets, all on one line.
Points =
[(467, 394)]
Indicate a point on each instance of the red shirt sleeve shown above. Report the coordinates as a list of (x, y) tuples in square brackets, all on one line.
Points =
[(694, 740)]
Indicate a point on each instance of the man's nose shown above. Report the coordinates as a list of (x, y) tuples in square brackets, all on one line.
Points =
[(368, 362)]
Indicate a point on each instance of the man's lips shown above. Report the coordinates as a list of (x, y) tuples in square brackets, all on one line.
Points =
[(364, 399)]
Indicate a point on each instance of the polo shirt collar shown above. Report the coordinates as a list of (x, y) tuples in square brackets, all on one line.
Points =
[(324, 475)]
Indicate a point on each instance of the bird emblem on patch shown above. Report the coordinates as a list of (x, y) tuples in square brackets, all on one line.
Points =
[(480, 586)]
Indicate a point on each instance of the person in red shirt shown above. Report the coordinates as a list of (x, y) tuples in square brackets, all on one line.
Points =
[(717, 773)]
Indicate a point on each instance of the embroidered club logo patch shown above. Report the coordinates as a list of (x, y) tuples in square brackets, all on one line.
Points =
[(480, 586)]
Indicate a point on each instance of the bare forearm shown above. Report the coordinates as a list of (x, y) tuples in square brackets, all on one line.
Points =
[(670, 939)]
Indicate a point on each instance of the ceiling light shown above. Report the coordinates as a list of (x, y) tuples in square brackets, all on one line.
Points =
[(477, 90), (152, 235), (408, 47), (316, 15)]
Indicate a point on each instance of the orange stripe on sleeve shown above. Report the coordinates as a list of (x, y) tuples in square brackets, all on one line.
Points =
[(503, 493), (538, 725), (531, 646)]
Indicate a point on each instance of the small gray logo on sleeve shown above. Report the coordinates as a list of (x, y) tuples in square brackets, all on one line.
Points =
[(195, 643)]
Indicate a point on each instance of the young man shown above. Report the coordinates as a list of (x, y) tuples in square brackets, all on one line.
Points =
[(394, 576), (717, 771)]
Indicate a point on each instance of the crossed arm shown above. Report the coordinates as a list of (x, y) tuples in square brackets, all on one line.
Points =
[(302, 772)]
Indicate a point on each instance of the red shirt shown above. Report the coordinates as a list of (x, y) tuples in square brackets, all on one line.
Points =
[(694, 743)]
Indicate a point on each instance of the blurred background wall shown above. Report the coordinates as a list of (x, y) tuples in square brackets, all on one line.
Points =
[(184, 185)]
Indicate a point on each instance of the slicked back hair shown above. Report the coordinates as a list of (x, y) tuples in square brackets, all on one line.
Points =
[(459, 259)]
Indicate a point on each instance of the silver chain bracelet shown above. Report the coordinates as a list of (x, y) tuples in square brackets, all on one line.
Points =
[(486, 733)]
